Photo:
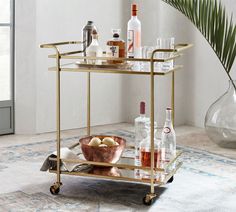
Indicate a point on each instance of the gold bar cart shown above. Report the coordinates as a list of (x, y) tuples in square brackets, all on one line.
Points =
[(126, 164)]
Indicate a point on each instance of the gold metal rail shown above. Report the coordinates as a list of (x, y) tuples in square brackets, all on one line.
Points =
[(123, 178)]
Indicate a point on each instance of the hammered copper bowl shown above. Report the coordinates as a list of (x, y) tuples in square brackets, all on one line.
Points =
[(110, 154)]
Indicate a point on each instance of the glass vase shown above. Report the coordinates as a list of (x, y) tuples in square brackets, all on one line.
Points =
[(220, 120)]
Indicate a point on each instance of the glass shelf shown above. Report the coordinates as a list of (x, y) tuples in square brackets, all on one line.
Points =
[(72, 67), (123, 170)]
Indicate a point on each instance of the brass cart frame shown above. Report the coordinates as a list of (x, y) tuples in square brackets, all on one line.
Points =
[(148, 199)]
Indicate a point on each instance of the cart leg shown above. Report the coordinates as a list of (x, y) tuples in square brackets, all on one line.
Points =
[(55, 188), (149, 199), (88, 103), (173, 97)]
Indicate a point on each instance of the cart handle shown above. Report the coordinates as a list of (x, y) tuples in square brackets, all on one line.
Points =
[(53, 45)]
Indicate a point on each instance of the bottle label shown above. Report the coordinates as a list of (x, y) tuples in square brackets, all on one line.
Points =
[(112, 51), (130, 43), (138, 39)]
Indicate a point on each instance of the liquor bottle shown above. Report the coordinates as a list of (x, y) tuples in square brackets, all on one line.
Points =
[(140, 131), (115, 47), (94, 50), (168, 141), (134, 34)]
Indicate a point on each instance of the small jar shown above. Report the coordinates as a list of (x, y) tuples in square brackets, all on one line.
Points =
[(115, 47)]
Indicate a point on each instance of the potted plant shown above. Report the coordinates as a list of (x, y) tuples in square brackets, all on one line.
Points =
[(210, 18)]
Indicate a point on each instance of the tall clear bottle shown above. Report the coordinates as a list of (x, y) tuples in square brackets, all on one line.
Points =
[(141, 123), (168, 141), (134, 34)]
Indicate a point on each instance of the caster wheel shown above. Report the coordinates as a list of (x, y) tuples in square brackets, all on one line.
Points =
[(54, 190), (149, 199), (171, 180)]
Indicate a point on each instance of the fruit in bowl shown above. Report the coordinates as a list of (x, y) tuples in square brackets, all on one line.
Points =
[(102, 148)]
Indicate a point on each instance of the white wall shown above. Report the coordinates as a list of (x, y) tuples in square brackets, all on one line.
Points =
[(45, 21), (25, 63), (114, 98), (58, 20)]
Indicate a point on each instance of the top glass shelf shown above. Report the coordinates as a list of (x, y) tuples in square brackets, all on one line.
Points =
[(72, 67), (76, 55)]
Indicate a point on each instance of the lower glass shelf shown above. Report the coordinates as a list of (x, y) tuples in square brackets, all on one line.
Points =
[(123, 174)]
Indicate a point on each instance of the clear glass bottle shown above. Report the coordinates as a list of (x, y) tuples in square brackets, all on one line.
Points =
[(140, 124), (115, 47), (168, 141), (94, 50), (134, 34), (134, 38)]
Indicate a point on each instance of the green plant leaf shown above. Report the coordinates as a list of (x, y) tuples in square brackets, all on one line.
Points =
[(209, 16)]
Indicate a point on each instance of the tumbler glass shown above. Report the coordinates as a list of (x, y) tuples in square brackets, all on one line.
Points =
[(165, 43)]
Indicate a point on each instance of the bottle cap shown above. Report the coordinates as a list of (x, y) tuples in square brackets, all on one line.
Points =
[(90, 23), (168, 108), (134, 9), (142, 107), (116, 33)]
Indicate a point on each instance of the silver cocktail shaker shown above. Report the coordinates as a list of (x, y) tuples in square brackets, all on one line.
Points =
[(87, 35)]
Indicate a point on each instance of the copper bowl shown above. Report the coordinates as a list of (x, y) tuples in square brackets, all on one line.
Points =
[(110, 154)]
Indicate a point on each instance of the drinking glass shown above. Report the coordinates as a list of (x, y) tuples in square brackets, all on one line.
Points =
[(144, 65), (165, 43)]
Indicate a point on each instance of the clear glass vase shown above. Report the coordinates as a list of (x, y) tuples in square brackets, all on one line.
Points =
[(220, 120)]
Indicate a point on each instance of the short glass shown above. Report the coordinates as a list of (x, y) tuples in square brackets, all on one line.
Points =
[(165, 43), (162, 43), (146, 54)]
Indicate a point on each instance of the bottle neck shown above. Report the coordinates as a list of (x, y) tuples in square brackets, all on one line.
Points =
[(168, 118), (142, 115), (134, 17)]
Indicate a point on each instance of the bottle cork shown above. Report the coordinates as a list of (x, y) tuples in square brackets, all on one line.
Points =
[(142, 107)]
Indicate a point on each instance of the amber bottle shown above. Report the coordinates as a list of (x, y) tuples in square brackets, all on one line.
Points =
[(115, 48)]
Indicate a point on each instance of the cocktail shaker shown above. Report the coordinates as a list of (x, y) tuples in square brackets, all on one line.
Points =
[(87, 35)]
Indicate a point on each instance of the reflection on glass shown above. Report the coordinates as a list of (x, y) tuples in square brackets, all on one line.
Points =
[(4, 63), (5, 11)]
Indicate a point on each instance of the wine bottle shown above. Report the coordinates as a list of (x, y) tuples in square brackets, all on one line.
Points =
[(140, 131)]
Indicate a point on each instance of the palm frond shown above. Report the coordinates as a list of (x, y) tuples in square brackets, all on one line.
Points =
[(209, 16)]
